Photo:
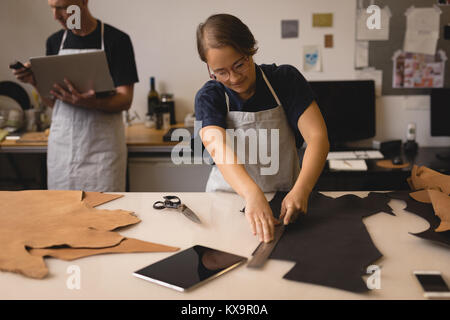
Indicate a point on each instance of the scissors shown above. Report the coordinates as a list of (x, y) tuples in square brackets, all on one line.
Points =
[(174, 202)]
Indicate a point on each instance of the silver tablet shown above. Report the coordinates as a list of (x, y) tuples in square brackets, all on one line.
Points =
[(189, 268), (85, 70)]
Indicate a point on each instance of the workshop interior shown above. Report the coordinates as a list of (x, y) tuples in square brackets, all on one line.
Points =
[(225, 150)]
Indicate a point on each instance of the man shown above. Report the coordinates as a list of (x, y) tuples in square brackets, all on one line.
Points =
[(86, 146)]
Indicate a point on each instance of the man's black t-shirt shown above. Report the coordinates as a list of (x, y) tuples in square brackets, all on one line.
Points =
[(118, 49)]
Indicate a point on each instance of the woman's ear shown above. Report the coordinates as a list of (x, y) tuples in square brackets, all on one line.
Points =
[(211, 75)]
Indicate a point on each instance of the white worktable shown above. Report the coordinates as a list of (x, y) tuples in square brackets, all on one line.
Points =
[(224, 227)]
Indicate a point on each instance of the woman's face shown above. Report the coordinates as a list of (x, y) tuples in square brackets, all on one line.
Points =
[(226, 64)]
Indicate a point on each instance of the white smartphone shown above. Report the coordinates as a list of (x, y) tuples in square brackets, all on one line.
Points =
[(433, 284)]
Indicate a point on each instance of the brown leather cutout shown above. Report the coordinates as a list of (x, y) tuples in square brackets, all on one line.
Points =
[(95, 199), (390, 165), (128, 245), (434, 188), (43, 219), (425, 178), (421, 196), (441, 206)]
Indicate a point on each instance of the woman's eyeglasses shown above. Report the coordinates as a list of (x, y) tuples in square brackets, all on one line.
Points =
[(240, 67)]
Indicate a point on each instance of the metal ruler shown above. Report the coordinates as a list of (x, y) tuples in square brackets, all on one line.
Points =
[(264, 249)]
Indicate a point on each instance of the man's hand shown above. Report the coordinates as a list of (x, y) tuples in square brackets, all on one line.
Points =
[(260, 217), (72, 96), (295, 203), (25, 75)]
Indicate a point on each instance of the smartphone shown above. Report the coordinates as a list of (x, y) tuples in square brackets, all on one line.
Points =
[(433, 284), (16, 65)]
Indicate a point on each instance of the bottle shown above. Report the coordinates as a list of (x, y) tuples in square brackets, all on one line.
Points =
[(165, 117), (153, 98), (150, 121), (167, 100), (158, 118)]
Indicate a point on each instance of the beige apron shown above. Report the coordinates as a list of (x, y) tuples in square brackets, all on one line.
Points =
[(289, 163), (86, 148)]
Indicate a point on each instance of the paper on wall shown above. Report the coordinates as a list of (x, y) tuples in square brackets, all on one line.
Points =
[(365, 18), (289, 29), (416, 70), (422, 30), (372, 74), (361, 54), (322, 20), (312, 58)]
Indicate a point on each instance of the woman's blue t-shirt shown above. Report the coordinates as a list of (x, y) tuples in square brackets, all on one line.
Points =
[(291, 87)]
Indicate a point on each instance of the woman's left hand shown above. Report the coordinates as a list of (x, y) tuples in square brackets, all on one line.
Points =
[(295, 203)]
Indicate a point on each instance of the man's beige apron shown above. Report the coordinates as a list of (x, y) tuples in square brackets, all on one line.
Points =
[(86, 148)]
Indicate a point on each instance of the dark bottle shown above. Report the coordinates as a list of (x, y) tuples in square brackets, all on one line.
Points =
[(168, 101), (153, 98), (159, 117)]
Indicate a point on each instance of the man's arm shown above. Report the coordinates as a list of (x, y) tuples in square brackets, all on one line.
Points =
[(119, 102)]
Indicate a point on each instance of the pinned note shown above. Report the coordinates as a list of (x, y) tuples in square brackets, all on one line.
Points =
[(312, 58), (422, 30), (289, 29), (322, 20), (329, 42)]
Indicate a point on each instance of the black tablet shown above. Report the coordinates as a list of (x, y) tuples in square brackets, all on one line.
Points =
[(190, 268)]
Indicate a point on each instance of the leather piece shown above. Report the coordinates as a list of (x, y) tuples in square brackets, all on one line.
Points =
[(434, 188), (390, 165), (43, 219), (441, 206), (425, 211), (421, 196), (128, 245), (330, 244), (95, 199), (426, 178)]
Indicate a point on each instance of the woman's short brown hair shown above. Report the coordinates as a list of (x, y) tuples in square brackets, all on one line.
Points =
[(221, 30)]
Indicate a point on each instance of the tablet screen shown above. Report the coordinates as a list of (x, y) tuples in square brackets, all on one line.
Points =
[(190, 267)]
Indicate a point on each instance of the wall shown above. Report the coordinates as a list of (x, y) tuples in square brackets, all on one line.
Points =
[(163, 34)]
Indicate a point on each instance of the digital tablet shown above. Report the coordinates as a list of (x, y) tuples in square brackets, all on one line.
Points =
[(189, 268), (86, 71)]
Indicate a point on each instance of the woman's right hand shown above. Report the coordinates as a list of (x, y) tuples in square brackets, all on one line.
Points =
[(25, 74), (260, 217)]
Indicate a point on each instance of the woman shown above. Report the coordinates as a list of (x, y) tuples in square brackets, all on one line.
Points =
[(243, 95)]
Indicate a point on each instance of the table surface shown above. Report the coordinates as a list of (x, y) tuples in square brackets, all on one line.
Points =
[(109, 276), (138, 138)]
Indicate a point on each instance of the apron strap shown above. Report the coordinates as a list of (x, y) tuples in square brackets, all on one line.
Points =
[(270, 88), (227, 99), (61, 47), (62, 42), (102, 35)]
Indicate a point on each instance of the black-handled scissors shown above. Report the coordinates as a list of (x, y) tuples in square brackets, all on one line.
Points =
[(173, 202), (169, 202)]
